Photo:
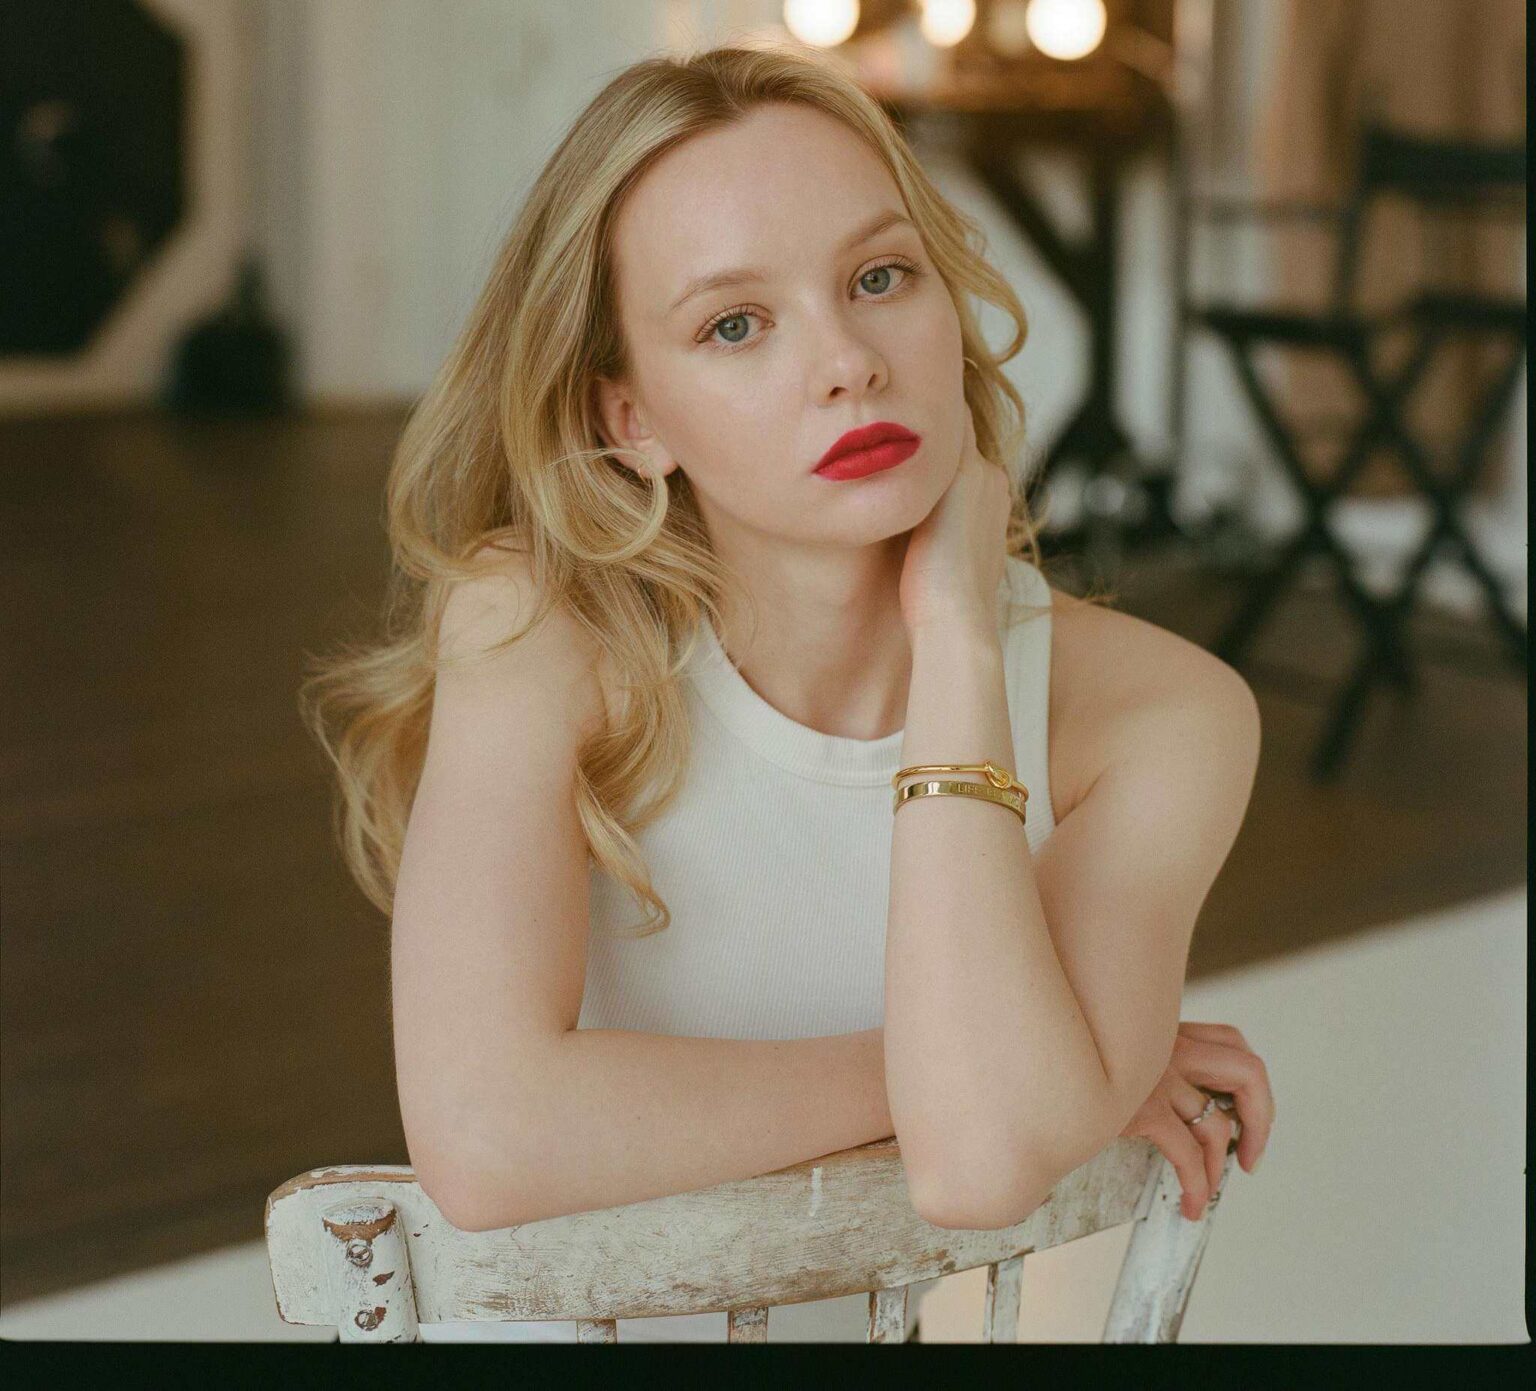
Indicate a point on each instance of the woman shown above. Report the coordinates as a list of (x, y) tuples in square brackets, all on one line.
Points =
[(730, 273)]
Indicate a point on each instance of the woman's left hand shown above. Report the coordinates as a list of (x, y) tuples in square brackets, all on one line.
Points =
[(956, 555), (1217, 1057)]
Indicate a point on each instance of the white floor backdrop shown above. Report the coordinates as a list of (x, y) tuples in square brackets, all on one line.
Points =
[(1389, 1208)]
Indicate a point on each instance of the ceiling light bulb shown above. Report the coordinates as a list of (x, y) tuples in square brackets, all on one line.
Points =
[(945, 22), (821, 23), (1066, 28)]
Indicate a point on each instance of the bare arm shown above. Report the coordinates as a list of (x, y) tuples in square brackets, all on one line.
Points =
[(618, 1117), (1033, 1002), (988, 1055)]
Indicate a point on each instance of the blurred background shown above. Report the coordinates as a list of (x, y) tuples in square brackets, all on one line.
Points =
[(1273, 254)]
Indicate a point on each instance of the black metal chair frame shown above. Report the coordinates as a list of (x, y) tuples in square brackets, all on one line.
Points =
[(1433, 173)]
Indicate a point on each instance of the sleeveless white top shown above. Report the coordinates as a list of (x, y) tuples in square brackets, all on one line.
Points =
[(772, 937)]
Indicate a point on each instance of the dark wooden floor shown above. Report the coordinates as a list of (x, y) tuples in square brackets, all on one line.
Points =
[(195, 997)]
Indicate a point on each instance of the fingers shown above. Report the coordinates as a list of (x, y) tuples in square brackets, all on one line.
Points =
[(1168, 1131), (1213, 1134), (1225, 1067), (1214, 1033)]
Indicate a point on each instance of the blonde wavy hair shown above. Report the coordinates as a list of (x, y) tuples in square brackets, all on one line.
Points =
[(505, 445)]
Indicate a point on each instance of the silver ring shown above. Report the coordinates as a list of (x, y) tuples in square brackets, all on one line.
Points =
[(1222, 1101)]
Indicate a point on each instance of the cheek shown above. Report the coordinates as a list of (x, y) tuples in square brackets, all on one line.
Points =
[(932, 365), (930, 338), (728, 432), (945, 337), (736, 414)]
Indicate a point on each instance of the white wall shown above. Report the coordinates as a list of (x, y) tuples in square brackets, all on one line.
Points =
[(399, 140)]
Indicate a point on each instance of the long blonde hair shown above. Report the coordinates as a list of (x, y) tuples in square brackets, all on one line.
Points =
[(504, 445)]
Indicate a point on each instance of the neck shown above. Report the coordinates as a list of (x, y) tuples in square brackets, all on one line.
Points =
[(822, 639)]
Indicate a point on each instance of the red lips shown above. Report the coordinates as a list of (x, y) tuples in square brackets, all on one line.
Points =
[(867, 437)]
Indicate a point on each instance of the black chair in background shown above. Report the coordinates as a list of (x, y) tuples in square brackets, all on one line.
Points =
[(1438, 177)]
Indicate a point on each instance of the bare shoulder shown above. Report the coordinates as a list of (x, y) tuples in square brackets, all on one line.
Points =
[(1114, 678), (481, 612)]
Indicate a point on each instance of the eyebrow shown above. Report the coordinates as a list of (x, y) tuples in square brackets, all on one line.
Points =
[(739, 275)]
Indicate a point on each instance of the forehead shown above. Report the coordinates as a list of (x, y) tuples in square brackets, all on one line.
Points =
[(781, 184)]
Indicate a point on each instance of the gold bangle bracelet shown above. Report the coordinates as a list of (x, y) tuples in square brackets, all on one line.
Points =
[(1012, 800), (997, 775)]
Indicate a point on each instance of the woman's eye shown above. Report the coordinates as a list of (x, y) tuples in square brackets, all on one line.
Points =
[(730, 330), (733, 329), (732, 326), (877, 279)]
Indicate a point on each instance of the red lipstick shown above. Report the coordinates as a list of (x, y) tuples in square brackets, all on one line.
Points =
[(868, 449)]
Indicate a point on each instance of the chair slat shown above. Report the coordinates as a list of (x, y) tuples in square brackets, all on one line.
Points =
[(597, 1330), (1000, 1314), (888, 1315), (747, 1325)]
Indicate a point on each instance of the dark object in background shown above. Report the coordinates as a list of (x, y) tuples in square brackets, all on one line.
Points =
[(234, 362), (92, 97), (1473, 179)]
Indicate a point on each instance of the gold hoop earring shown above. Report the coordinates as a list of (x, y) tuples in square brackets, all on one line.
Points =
[(973, 366)]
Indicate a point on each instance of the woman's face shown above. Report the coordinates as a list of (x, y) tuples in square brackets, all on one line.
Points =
[(831, 326)]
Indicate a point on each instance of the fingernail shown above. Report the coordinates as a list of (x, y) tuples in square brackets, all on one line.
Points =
[(1256, 1163)]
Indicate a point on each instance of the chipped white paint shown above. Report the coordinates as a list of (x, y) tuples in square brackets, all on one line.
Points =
[(1000, 1312), (747, 1325), (1160, 1263), (888, 1315), (368, 1272), (841, 1225)]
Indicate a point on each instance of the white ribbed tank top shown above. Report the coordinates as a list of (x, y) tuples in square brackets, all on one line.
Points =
[(774, 860)]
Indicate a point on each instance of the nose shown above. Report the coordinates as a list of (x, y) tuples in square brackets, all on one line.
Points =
[(848, 365)]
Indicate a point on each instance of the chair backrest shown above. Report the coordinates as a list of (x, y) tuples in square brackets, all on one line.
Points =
[(1434, 173), (367, 1251), (1435, 170)]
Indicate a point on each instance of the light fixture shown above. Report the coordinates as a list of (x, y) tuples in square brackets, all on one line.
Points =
[(945, 22), (821, 23), (1066, 28)]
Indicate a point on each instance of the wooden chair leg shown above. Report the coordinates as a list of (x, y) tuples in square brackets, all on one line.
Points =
[(1447, 494), (1000, 1314), (1317, 499), (747, 1325), (1161, 1262), (888, 1315), (369, 1273)]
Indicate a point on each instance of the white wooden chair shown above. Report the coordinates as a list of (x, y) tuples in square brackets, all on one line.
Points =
[(366, 1250)]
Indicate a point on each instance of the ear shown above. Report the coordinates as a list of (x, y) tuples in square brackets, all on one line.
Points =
[(622, 424)]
